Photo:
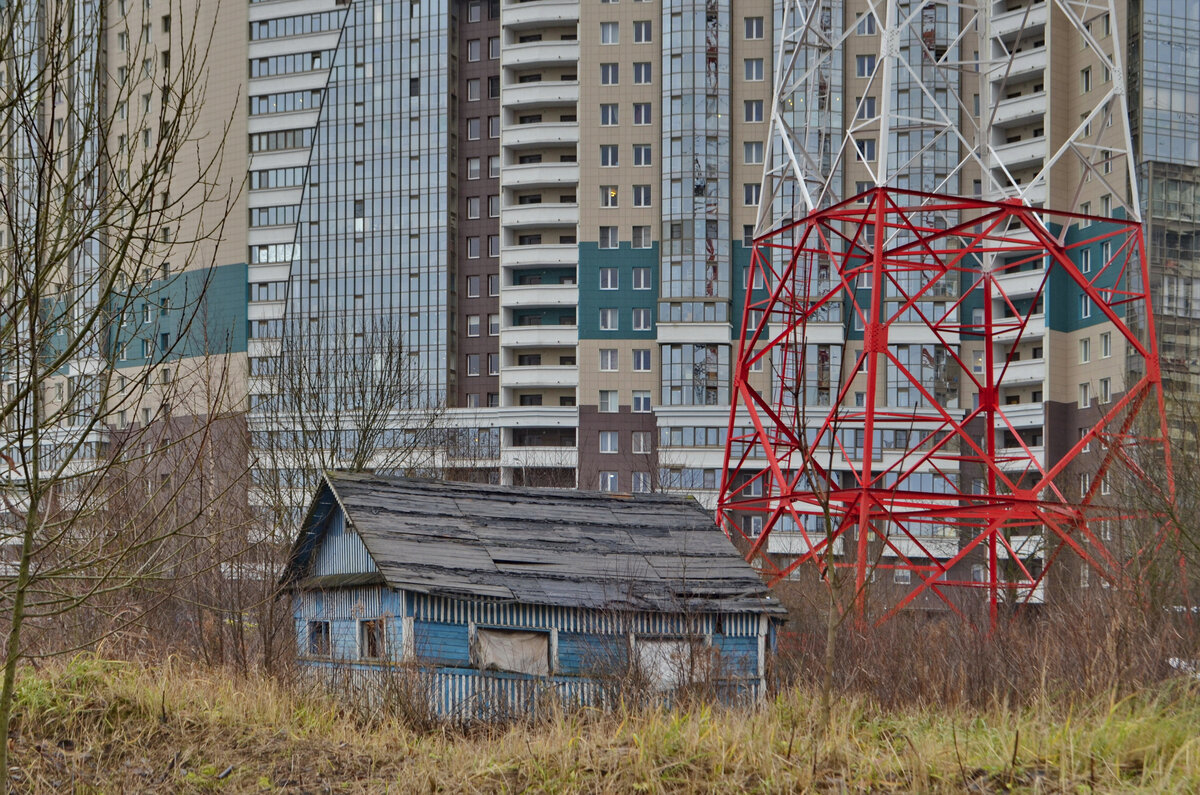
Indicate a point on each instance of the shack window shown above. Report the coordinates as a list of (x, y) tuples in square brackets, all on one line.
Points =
[(318, 638), (371, 639), (509, 650), (667, 663)]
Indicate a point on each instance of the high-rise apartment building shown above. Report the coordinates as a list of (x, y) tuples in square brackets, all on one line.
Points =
[(549, 205)]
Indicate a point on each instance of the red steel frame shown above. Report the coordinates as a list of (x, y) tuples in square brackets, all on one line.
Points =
[(972, 254)]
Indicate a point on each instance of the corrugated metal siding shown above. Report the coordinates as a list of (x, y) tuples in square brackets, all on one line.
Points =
[(341, 551), (438, 609)]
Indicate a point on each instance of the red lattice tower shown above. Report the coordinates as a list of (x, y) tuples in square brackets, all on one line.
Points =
[(817, 441)]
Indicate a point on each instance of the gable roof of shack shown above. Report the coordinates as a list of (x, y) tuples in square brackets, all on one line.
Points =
[(535, 546)]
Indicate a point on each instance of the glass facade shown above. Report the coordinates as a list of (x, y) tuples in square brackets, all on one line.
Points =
[(695, 275), (372, 253)]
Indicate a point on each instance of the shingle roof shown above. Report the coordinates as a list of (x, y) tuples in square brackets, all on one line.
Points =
[(546, 546)]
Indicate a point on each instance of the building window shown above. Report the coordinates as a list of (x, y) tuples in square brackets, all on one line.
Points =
[(472, 129), (608, 237), (493, 206), (641, 32), (641, 195), (493, 284), (641, 402), (641, 319), (750, 194), (754, 27), (473, 164), (472, 364), (608, 401), (472, 325), (866, 108), (902, 576), (493, 166), (1085, 575), (608, 481), (866, 149), (610, 74), (641, 276), (641, 482), (609, 279), (1085, 396), (1105, 345), (641, 442), (1085, 307), (754, 69), (610, 33), (866, 25), (318, 639), (641, 239), (473, 50), (608, 360), (641, 359), (1085, 483), (864, 65), (752, 153), (473, 90), (1085, 80), (1105, 395), (372, 639), (608, 196), (514, 651), (642, 155), (493, 325), (1085, 351), (608, 155), (493, 245), (642, 73), (472, 248), (641, 113), (1085, 260), (473, 205), (609, 442), (608, 319), (494, 48), (608, 114), (753, 109)]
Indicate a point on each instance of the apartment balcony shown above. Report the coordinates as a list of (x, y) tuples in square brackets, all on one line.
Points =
[(794, 544), (1022, 371), (1019, 154), (1034, 329), (1023, 64), (1023, 415), (540, 255), (531, 295), (540, 215), (936, 547), (1009, 23), (539, 336), (540, 135), (540, 53), (538, 175), (1019, 460), (549, 376), (1021, 283), (557, 457), (695, 332), (1028, 546), (1020, 110), (543, 94), (539, 14)]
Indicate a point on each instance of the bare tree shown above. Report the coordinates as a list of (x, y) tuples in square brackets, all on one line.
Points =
[(341, 393), (107, 174)]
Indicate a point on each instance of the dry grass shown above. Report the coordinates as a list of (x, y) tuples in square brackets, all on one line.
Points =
[(98, 726)]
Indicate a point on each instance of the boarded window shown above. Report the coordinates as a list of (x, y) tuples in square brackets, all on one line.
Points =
[(508, 650), (371, 639), (318, 638), (665, 663)]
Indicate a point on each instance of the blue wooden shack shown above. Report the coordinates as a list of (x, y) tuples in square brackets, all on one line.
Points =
[(495, 595)]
